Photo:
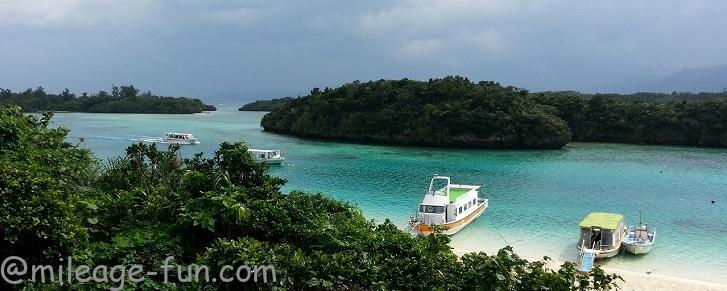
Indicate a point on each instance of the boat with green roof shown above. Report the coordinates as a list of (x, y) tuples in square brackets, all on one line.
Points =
[(602, 233), (447, 207)]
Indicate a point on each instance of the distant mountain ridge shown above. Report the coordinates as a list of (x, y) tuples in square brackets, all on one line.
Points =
[(708, 79)]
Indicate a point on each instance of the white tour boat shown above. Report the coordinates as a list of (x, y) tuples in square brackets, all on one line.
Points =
[(640, 238), (267, 156), (179, 138), (449, 208)]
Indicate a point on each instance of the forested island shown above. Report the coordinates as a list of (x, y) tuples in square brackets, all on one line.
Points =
[(455, 112), (265, 105), (122, 99), (57, 200)]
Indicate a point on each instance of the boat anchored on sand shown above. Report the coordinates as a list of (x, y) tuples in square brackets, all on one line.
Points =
[(601, 237), (639, 238), (450, 208), (602, 232)]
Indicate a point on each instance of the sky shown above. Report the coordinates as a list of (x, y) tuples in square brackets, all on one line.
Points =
[(262, 49)]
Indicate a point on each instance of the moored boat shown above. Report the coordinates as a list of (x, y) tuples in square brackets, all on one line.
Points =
[(639, 238), (603, 233), (267, 156), (448, 208)]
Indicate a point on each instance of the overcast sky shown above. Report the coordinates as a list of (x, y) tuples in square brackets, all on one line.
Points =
[(269, 48)]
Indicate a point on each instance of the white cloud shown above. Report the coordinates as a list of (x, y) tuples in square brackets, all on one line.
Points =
[(421, 47), (426, 17), (452, 48), (437, 28)]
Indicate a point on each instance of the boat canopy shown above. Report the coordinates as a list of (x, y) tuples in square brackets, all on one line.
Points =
[(603, 220), (263, 151), (179, 135)]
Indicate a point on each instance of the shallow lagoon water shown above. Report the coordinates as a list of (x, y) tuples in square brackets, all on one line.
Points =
[(537, 197)]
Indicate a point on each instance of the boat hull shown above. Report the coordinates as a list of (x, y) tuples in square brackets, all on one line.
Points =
[(453, 227), (181, 142), (271, 161), (637, 249), (604, 254)]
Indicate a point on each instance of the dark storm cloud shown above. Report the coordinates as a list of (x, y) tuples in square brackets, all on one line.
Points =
[(268, 48)]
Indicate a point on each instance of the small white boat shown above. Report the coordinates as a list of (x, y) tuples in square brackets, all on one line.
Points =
[(640, 238), (449, 208), (179, 138), (602, 233), (266, 156)]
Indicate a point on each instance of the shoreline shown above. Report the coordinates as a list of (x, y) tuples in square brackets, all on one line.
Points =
[(633, 280)]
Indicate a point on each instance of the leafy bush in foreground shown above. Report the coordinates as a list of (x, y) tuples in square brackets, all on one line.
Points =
[(149, 204)]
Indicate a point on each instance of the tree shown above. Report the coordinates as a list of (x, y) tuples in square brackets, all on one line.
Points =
[(128, 91), (130, 102), (452, 111), (114, 91), (41, 176)]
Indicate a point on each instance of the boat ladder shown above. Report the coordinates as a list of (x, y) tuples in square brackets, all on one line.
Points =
[(587, 257)]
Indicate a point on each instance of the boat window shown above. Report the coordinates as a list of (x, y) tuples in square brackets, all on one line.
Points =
[(431, 209), (460, 209)]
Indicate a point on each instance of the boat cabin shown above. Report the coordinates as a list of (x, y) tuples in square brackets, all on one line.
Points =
[(266, 156), (179, 136), (603, 232)]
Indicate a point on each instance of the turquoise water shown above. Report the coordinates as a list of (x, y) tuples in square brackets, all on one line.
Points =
[(536, 197)]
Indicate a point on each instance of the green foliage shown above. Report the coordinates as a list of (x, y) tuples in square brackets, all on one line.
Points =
[(442, 112), (42, 182), (455, 112), (123, 99), (617, 118), (225, 210), (265, 105)]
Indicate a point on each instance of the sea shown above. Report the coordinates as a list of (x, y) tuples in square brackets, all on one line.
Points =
[(536, 197)]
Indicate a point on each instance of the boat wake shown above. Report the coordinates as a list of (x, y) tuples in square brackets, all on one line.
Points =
[(105, 137), (149, 139)]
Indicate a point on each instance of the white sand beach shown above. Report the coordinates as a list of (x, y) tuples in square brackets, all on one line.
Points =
[(642, 281), (635, 281)]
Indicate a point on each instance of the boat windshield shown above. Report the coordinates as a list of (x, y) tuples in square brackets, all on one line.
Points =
[(431, 209)]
